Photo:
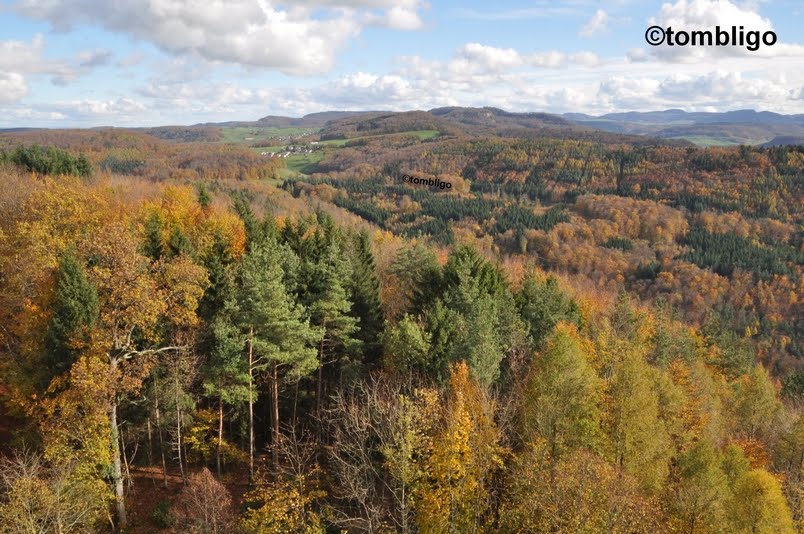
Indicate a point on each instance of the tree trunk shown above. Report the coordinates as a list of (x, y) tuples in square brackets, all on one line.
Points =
[(178, 429), (320, 385), (251, 406), (117, 468), (161, 444), (220, 433), (275, 449), (150, 448), (125, 457)]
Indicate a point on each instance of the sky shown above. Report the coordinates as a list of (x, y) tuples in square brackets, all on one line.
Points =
[(85, 63)]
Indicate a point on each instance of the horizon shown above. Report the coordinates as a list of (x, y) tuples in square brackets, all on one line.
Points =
[(296, 117), (84, 64)]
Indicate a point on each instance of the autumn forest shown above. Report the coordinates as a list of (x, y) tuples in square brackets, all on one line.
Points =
[(245, 329)]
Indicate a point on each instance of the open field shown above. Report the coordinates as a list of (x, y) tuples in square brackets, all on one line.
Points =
[(707, 140), (255, 134)]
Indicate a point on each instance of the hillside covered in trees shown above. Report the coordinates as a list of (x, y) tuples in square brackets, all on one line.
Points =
[(584, 333)]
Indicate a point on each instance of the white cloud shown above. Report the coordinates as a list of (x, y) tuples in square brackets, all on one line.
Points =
[(20, 56), (368, 90), (12, 87), (717, 90), (93, 108), (720, 85), (622, 93), (489, 58), (597, 25), (302, 39), (397, 17)]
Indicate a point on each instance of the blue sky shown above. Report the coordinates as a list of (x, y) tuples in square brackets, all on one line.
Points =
[(82, 63)]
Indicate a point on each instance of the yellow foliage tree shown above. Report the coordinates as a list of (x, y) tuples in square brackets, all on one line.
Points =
[(459, 463)]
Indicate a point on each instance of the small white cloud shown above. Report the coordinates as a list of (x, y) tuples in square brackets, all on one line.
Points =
[(397, 18), (12, 87), (597, 25), (489, 58), (552, 60)]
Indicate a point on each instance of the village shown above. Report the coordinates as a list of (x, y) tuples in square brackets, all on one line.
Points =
[(293, 149)]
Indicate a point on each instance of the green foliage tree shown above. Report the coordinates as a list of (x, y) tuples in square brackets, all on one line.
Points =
[(757, 406), (365, 291), (406, 347), (702, 491), (75, 311), (562, 396), (226, 373), (278, 335), (542, 305), (638, 436), (153, 247)]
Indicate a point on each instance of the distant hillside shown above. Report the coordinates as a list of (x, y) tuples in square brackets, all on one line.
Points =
[(499, 118), (733, 127), (785, 140), (385, 123), (184, 134), (312, 120)]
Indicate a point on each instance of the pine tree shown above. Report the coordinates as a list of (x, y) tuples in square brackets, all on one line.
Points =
[(542, 305), (420, 278), (204, 200), (639, 441), (75, 309), (330, 312), (179, 243), (406, 347), (484, 326), (277, 333), (153, 246), (226, 374), (365, 290)]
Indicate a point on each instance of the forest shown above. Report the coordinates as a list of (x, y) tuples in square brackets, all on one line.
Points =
[(582, 335)]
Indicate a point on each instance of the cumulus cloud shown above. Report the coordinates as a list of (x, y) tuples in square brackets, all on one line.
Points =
[(715, 90), (489, 58), (302, 39), (368, 90), (12, 87), (479, 64), (597, 25)]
